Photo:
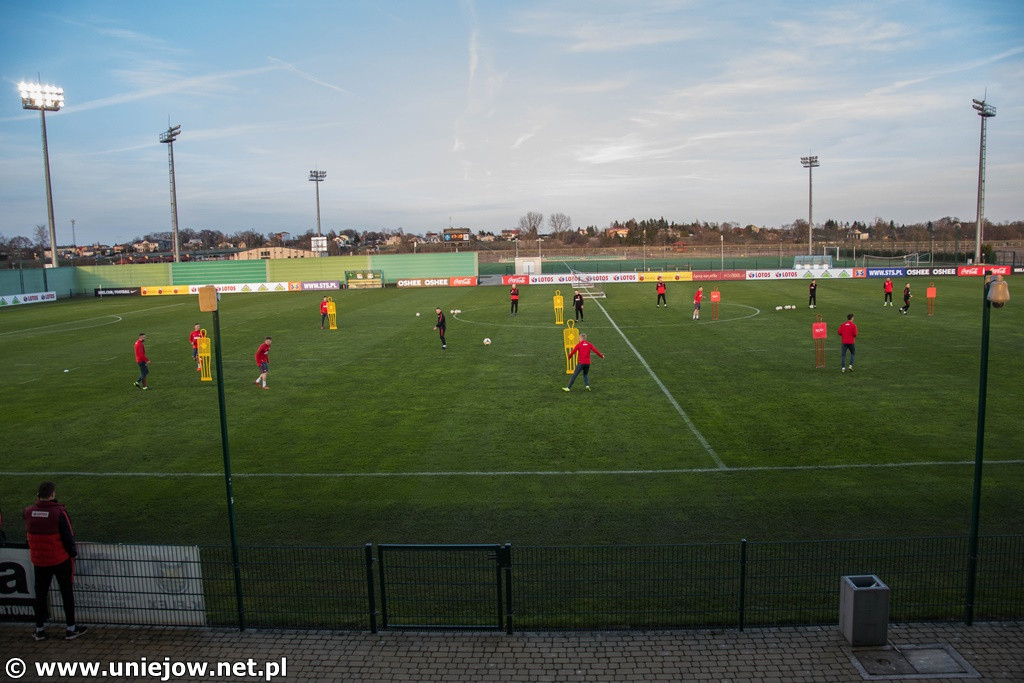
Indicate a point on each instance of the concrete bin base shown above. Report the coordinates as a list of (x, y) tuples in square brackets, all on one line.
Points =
[(864, 610)]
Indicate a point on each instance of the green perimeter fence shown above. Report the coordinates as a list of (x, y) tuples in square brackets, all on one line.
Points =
[(501, 587)]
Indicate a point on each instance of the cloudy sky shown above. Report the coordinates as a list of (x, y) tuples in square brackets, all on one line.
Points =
[(476, 112)]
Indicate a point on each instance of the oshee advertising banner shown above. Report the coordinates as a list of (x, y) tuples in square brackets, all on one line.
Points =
[(34, 298), (461, 281)]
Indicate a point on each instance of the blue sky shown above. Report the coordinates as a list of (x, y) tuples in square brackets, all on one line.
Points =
[(478, 112)]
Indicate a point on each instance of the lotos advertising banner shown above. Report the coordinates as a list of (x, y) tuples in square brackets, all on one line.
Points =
[(34, 298)]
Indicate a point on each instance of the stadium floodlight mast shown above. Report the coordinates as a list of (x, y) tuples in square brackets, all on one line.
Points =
[(167, 137), (44, 98), (810, 163), (985, 111), (317, 177), (996, 294)]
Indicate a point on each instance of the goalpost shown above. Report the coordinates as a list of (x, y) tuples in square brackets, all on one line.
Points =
[(902, 260), (584, 282)]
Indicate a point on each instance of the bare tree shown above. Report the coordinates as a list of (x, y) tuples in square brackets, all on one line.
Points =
[(42, 236), (559, 222), (530, 223)]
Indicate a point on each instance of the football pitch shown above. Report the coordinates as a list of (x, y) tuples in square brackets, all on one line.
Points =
[(695, 431)]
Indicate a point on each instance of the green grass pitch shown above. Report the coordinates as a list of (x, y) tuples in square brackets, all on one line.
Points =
[(694, 431)]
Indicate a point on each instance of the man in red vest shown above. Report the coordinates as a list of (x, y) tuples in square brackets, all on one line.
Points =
[(661, 293), (51, 547)]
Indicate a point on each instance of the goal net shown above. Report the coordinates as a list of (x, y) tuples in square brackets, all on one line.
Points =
[(586, 284), (904, 260)]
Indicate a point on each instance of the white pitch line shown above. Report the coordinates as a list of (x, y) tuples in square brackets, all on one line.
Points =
[(515, 473), (664, 389)]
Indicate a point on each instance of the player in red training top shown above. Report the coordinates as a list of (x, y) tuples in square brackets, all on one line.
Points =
[(142, 360), (583, 348), (193, 339), (848, 335), (661, 293), (887, 289), (513, 295), (263, 361), (323, 312), (696, 302)]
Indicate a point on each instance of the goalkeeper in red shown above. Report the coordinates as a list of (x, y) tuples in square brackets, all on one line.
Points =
[(584, 348)]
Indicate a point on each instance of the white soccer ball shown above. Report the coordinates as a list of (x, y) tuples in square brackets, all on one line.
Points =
[(487, 341), (67, 371), (417, 315), (788, 307), (451, 311), (777, 308)]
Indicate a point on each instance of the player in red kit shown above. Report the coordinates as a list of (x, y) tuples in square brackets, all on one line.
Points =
[(142, 360), (263, 361), (583, 348), (696, 302), (193, 339), (323, 312), (513, 295), (887, 290), (661, 294), (848, 335)]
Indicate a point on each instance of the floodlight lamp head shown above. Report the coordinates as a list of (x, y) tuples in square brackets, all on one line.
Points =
[(317, 176), (170, 134), (809, 162), (42, 97)]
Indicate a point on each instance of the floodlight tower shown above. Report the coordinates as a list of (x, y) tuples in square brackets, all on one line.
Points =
[(44, 98), (167, 137), (985, 111), (810, 163), (317, 177)]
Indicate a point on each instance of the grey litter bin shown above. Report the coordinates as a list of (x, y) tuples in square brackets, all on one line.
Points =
[(864, 610)]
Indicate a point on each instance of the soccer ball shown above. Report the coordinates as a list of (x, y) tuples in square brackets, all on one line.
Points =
[(417, 315), (487, 341), (67, 371), (777, 308), (788, 307)]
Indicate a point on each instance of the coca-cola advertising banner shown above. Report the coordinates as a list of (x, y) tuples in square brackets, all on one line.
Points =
[(969, 271)]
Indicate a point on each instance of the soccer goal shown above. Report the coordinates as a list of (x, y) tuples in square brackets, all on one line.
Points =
[(586, 284), (903, 260), (805, 261)]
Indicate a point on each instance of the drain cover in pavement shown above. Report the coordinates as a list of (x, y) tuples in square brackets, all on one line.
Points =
[(911, 661)]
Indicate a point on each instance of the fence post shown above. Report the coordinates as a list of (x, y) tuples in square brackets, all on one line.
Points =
[(370, 597), (506, 562), (743, 581)]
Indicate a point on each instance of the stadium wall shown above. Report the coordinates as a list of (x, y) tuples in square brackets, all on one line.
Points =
[(305, 270), (400, 266), (217, 272), (90, 278), (19, 281)]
